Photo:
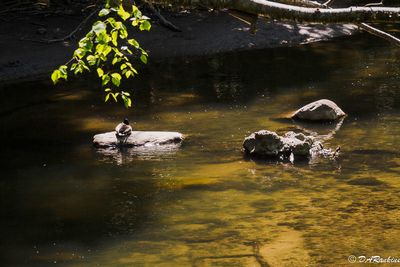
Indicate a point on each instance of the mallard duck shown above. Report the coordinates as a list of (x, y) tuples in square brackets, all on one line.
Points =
[(123, 131)]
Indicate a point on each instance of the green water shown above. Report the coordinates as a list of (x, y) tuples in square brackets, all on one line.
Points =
[(64, 203)]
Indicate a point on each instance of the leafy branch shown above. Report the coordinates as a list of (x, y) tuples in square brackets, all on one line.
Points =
[(108, 41)]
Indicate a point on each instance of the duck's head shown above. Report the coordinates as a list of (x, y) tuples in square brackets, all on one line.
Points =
[(126, 121)]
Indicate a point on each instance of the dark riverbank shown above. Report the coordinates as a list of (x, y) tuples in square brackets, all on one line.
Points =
[(203, 33)]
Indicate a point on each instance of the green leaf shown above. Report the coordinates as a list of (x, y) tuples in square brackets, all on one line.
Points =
[(115, 60), (123, 33), (103, 38), (107, 97), (128, 74), (105, 79), (55, 76), (107, 90), (91, 60), (134, 9), (116, 79), (115, 95), (99, 27), (100, 72), (118, 25), (112, 22), (136, 12), (114, 37), (135, 22), (145, 25), (104, 12), (107, 49), (127, 100), (63, 69), (73, 66), (80, 53), (78, 69), (103, 57), (143, 51), (123, 14), (143, 58), (133, 43), (99, 48), (83, 65)]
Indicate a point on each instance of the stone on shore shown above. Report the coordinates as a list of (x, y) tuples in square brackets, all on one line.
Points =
[(138, 138), (269, 144), (321, 110)]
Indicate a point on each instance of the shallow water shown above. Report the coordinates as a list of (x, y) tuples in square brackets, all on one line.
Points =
[(204, 204)]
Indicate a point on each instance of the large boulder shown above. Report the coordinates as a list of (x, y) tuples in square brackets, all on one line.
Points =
[(269, 144), (321, 110), (138, 138)]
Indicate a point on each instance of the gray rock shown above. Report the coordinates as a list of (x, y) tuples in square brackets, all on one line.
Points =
[(264, 143), (138, 138), (320, 110), (267, 143), (297, 143)]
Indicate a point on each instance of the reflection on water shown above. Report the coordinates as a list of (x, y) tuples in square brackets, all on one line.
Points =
[(204, 204), (124, 155)]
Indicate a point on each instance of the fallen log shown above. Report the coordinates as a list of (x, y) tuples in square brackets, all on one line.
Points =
[(138, 138)]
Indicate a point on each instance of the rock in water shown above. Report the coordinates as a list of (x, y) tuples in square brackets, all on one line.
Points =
[(263, 143), (138, 138), (266, 144), (297, 143), (320, 110)]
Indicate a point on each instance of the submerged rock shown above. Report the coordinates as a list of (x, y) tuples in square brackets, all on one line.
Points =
[(366, 181), (320, 110), (266, 143), (138, 138)]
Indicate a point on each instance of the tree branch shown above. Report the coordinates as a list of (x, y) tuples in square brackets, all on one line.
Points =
[(327, 3), (375, 4), (372, 30), (69, 36), (364, 26), (308, 14), (163, 20)]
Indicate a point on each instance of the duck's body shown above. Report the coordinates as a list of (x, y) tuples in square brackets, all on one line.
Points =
[(123, 131)]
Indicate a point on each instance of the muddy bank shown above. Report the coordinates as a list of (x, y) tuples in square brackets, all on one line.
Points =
[(203, 33)]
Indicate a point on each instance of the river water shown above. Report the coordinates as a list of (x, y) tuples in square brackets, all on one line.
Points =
[(204, 204)]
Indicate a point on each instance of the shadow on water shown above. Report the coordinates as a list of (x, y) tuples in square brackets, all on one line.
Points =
[(66, 202)]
